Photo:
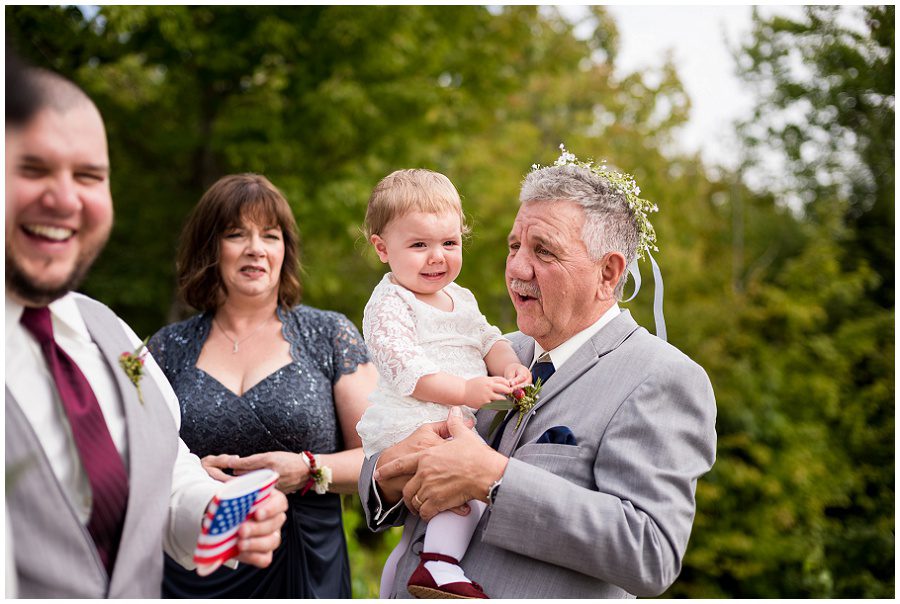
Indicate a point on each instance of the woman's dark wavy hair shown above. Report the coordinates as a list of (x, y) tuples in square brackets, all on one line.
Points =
[(232, 200)]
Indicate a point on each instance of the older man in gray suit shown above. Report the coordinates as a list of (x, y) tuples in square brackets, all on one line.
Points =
[(592, 494), (98, 482)]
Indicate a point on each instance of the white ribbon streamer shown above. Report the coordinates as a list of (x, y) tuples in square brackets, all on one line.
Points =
[(658, 316)]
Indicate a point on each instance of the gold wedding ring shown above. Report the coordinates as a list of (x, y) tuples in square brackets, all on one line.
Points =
[(417, 501)]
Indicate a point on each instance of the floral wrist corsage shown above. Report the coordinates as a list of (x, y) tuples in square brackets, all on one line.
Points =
[(319, 476)]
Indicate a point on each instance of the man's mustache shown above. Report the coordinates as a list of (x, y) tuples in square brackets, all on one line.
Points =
[(525, 288)]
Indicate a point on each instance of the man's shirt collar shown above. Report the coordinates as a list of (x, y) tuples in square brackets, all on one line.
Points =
[(564, 351)]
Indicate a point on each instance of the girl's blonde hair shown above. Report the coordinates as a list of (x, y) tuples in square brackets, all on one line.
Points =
[(412, 190)]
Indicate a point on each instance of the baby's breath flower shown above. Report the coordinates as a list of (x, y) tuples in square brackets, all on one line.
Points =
[(626, 185)]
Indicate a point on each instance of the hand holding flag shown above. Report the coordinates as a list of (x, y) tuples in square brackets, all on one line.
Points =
[(226, 512)]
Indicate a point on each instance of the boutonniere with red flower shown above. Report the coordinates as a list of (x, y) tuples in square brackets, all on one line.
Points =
[(133, 365), (521, 400)]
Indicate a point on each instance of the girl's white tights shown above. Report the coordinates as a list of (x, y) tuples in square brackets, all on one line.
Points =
[(449, 534)]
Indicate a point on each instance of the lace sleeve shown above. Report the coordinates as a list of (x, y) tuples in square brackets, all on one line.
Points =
[(349, 348), (389, 328), (487, 333), (490, 335)]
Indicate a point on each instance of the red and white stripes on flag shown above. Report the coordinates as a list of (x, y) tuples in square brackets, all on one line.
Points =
[(225, 514)]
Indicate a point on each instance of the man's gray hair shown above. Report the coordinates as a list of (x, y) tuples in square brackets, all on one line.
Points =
[(609, 224)]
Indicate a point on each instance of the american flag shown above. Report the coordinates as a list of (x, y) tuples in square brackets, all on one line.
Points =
[(218, 537)]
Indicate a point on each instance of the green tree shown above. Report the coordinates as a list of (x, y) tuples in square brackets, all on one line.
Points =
[(789, 306), (800, 502), (325, 108), (826, 90)]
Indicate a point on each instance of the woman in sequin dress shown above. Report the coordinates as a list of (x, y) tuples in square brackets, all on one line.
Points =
[(262, 380)]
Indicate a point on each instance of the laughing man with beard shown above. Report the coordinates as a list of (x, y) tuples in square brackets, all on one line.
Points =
[(98, 482)]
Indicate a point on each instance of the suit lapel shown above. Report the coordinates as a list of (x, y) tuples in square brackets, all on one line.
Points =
[(589, 354), (112, 346), (523, 346)]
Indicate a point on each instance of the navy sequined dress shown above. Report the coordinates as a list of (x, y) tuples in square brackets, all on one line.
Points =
[(293, 410)]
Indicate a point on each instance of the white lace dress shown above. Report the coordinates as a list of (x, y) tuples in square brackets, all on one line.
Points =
[(408, 339)]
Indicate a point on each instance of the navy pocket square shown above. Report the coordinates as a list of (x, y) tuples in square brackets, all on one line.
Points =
[(558, 435)]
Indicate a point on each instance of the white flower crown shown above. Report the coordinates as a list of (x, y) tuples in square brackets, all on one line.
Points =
[(624, 184)]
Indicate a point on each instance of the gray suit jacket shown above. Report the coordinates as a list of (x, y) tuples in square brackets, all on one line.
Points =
[(610, 516), (54, 553)]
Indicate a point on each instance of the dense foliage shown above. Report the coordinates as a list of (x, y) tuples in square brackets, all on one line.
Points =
[(804, 377), (781, 288)]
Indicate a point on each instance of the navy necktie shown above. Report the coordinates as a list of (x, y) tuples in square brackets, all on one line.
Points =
[(542, 369), (99, 456)]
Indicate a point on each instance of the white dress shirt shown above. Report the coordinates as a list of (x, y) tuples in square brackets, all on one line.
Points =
[(564, 351), (29, 380)]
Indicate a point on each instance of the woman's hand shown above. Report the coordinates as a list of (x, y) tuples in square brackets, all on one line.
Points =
[(214, 464), (292, 470)]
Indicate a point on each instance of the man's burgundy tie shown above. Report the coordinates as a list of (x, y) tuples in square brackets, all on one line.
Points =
[(99, 456)]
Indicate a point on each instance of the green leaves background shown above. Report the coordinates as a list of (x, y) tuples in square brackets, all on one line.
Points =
[(779, 275)]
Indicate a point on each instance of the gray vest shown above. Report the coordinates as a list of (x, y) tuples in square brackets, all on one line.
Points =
[(54, 553)]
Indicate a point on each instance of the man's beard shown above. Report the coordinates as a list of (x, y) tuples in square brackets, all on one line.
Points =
[(19, 283)]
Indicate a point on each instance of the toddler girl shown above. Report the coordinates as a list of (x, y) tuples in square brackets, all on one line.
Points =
[(433, 349)]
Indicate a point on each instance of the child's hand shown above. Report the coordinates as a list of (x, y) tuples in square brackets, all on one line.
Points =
[(482, 390), (517, 374)]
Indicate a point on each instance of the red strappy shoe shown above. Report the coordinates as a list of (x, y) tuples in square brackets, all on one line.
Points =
[(422, 584)]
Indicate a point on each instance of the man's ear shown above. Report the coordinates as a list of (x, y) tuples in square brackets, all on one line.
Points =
[(611, 271), (380, 247)]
